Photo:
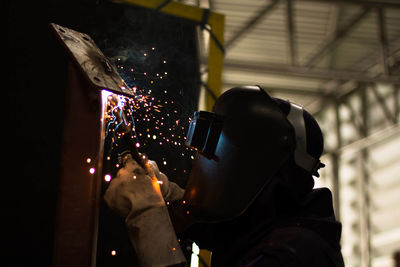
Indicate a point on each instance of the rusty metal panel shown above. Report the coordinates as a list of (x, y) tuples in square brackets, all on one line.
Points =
[(79, 181), (88, 73), (91, 60)]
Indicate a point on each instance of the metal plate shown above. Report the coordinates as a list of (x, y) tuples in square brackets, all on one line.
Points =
[(91, 60)]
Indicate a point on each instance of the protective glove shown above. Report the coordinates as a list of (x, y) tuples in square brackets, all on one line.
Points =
[(173, 195), (170, 190), (136, 195)]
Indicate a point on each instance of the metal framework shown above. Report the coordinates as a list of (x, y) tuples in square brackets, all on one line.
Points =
[(305, 72), (360, 119), (373, 3), (340, 34), (251, 23), (309, 69), (337, 89)]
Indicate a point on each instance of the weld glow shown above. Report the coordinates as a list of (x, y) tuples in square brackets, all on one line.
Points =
[(107, 177), (157, 115)]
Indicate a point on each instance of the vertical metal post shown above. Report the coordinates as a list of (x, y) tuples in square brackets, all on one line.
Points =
[(336, 161), (382, 41), (205, 255), (365, 226), (210, 4), (291, 32), (381, 101), (396, 103)]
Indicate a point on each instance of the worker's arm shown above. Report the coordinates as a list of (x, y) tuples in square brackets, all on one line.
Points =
[(173, 196), (136, 195)]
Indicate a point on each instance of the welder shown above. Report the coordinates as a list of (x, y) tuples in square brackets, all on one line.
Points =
[(249, 198)]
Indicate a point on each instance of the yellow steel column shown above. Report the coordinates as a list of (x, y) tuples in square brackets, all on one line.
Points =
[(216, 22)]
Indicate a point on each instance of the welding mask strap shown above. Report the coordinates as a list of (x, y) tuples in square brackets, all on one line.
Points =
[(301, 157)]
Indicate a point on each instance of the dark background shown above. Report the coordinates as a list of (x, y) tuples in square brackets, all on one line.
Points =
[(33, 111)]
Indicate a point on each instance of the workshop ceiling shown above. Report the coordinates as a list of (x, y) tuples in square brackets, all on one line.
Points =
[(303, 50)]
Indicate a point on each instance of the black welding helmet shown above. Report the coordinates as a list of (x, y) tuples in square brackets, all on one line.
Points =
[(241, 144)]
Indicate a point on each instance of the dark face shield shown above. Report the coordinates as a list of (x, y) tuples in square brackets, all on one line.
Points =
[(204, 132), (241, 145)]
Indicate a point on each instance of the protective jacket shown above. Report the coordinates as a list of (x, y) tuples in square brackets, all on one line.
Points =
[(275, 231)]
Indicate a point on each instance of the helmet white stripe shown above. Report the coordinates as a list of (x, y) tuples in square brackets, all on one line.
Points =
[(301, 157)]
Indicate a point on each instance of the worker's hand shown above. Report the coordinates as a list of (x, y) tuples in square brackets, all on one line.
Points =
[(136, 195), (134, 190), (170, 190)]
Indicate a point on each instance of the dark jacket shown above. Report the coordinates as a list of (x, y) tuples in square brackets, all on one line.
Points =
[(276, 230)]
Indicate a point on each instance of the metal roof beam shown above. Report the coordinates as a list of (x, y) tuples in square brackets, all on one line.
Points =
[(364, 64), (391, 118), (370, 60), (332, 43), (323, 74), (368, 141), (250, 24), (337, 14), (291, 32), (382, 42), (370, 3)]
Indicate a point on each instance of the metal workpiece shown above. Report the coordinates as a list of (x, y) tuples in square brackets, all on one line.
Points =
[(91, 61)]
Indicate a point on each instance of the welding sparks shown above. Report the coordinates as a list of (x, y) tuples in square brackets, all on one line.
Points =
[(153, 117), (107, 178), (153, 114)]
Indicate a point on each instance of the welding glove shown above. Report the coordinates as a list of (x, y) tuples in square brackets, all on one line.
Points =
[(136, 195), (173, 194), (170, 190)]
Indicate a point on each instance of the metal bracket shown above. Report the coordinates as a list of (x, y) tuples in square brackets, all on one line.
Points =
[(91, 61)]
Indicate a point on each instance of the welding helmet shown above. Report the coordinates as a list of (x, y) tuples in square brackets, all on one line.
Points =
[(242, 143)]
